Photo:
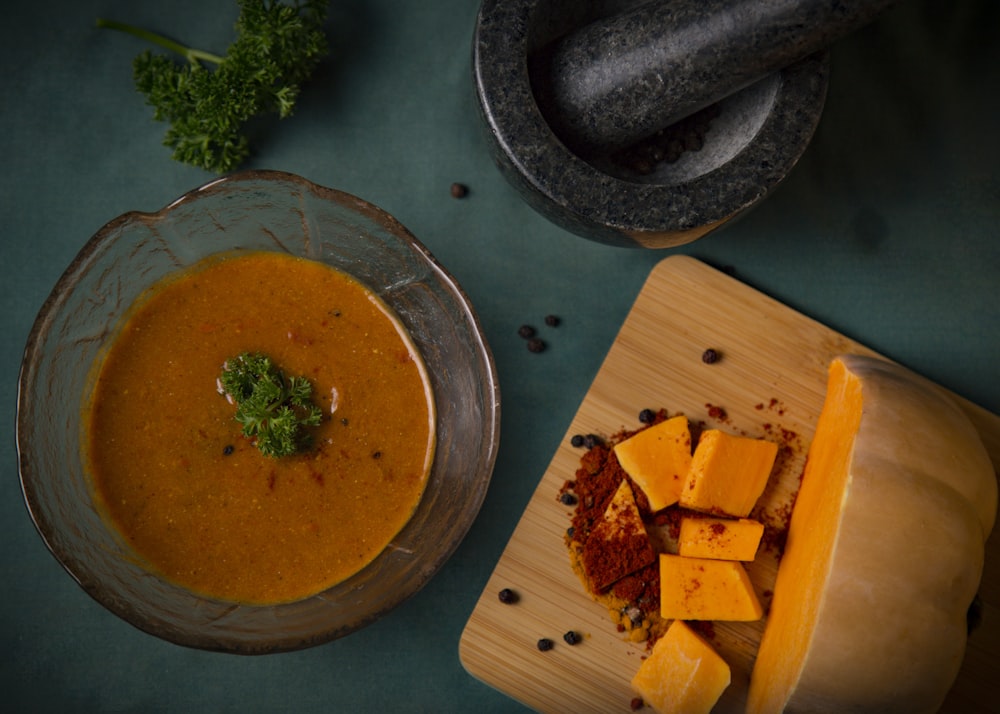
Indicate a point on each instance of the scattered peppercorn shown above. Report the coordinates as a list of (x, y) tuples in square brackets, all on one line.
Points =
[(526, 331), (669, 144), (576, 440), (459, 190), (545, 644), (552, 320), (568, 499), (636, 704), (536, 345), (591, 440), (507, 596), (571, 637), (647, 416), (228, 450), (710, 356), (377, 455)]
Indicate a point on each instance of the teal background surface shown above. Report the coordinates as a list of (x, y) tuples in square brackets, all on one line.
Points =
[(886, 231)]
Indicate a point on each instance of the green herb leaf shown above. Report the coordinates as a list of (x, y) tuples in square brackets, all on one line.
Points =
[(208, 99), (272, 408)]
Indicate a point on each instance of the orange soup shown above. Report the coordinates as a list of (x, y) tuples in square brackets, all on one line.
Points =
[(198, 502)]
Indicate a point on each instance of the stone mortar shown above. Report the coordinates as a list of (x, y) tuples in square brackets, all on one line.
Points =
[(755, 137)]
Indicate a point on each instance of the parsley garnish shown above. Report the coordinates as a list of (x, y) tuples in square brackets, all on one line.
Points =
[(273, 409), (277, 47)]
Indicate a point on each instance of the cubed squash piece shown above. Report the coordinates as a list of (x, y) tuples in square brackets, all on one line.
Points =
[(683, 674), (728, 473), (719, 538), (618, 544), (657, 459), (706, 589)]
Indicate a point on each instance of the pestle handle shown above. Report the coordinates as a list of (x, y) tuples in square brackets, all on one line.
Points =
[(619, 80)]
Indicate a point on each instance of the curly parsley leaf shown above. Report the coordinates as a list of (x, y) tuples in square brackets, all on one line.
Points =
[(208, 99), (273, 409)]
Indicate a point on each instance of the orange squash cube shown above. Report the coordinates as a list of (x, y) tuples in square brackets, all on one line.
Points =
[(719, 538), (706, 589), (618, 544), (657, 459), (683, 674), (728, 473)]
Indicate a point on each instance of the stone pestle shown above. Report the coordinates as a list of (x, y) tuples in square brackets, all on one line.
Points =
[(618, 80)]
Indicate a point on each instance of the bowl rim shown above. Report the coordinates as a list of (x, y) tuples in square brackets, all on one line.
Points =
[(278, 642)]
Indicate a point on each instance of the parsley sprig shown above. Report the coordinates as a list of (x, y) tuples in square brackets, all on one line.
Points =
[(208, 99), (273, 409)]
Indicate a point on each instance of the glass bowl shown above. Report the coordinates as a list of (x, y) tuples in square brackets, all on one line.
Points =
[(261, 210)]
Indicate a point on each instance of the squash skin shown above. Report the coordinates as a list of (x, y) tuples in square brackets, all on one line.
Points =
[(890, 629), (933, 430)]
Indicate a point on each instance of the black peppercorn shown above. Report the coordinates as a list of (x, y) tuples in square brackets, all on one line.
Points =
[(709, 356), (536, 345), (568, 499), (552, 320), (545, 644), (228, 449), (526, 331), (459, 190), (571, 638), (507, 596), (591, 440), (646, 416), (577, 440)]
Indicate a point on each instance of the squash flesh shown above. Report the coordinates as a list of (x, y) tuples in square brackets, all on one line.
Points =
[(657, 459), (706, 589), (683, 674), (884, 551), (807, 557), (719, 538), (727, 473)]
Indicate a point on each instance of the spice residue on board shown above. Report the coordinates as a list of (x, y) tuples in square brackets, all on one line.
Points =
[(633, 601)]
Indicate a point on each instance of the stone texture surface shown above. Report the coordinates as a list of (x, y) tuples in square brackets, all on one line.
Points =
[(616, 80), (755, 140)]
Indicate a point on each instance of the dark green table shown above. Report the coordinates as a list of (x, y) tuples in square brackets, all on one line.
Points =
[(886, 231)]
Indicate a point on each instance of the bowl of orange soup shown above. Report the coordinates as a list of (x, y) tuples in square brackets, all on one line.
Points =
[(258, 419)]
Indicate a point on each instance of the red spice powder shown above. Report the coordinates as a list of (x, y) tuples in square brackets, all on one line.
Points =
[(633, 577), (614, 550), (716, 412)]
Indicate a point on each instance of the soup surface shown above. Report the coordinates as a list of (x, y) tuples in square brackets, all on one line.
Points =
[(194, 497)]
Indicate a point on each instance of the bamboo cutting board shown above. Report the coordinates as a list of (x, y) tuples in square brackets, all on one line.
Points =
[(771, 381)]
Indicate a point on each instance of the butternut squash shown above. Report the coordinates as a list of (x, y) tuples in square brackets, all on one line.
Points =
[(706, 589), (884, 553), (719, 538), (658, 459), (619, 544), (727, 473), (683, 674)]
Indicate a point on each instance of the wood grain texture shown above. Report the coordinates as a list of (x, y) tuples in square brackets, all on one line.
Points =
[(769, 352)]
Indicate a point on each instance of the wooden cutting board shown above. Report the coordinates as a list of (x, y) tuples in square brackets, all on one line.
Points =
[(771, 381)]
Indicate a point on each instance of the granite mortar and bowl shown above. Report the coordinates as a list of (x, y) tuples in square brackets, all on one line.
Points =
[(575, 97), (270, 211)]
